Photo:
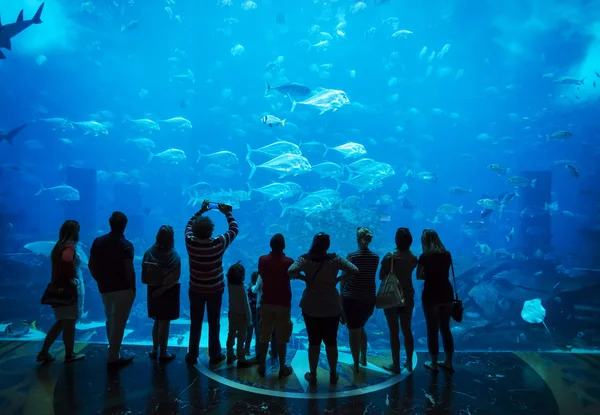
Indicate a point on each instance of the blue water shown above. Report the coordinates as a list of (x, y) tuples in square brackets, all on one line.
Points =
[(495, 82)]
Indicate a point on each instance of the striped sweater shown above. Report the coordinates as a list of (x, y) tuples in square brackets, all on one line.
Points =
[(206, 257), (362, 286)]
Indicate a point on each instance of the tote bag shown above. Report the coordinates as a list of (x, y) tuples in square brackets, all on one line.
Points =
[(457, 309), (152, 274), (390, 293)]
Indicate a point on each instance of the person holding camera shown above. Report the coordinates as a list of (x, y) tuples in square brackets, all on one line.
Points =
[(207, 282)]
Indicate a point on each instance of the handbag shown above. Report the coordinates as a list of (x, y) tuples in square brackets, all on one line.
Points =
[(152, 274), (59, 295), (457, 308), (390, 293)]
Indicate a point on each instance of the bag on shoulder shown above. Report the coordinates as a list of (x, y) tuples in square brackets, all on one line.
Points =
[(390, 293), (457, 309), (59, 295), (152, 273)]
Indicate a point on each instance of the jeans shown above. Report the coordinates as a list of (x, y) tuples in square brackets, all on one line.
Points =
[(117, 306), (212, 302), (437, 319)]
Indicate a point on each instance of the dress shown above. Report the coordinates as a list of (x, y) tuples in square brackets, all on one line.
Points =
[(75, 310)]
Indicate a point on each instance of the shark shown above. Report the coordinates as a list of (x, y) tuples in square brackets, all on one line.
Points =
[(7, 32), (11, 134)]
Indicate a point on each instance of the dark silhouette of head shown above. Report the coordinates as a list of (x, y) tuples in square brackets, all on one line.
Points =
[(236, 274), (165, 238), (363, 237), (69, 232), (254, 277), (118, 222), (404, 239), (203, 227), (320, 244), (277, 243), (431, 242)]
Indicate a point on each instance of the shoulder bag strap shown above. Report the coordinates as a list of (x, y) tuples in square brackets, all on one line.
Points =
[(454, 280), (391, 262)]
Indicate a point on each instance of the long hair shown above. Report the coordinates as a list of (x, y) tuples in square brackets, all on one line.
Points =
[(431, 242), (320, 244), (364, 236), (165, 238), (68, 234)]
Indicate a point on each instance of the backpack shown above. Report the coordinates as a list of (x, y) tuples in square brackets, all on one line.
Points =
[(390, 293)]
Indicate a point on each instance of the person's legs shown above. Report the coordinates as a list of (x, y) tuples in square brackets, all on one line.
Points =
[(363, 346), (51, 337), (155, 340), (330, 330), (230, 338), (392, 316), (108, 300), (409, 341), (197, 305), (240, 336), (163, 337), (314, 332), (213, 310), (432, 322), (267, 323), (281, 334), (123, 301), (251, 330), (351, 311), (445, 314)]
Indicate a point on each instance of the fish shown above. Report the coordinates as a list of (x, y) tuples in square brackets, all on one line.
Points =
[(144, 124), (278, 191), (19, 329), (498, 168), (559, 135), (510, 235), (62, 192), (325, 100), (7, 32), (450, 209), (45, 248), (565, 80), (92, 127), (489, 204), (275, 149), (403, 33), (271, 120), (291, 88), (572, 169), (349, 150), (224, 157), (519, 181), (178, 122), (459, 190), (172, 155), (285, 164), (11, 134), (142, 142)]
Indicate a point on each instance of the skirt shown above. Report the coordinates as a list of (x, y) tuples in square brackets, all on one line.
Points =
[(166, 306), (75, 310)]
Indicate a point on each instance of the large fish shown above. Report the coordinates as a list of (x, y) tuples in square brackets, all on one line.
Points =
[(285, 165), (325, 100), (292, 89)]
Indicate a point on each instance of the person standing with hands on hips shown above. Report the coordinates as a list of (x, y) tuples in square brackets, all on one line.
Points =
[(207, 282)]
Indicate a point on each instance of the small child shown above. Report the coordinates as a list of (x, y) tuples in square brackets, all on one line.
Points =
[(253, 300), (239, 314)]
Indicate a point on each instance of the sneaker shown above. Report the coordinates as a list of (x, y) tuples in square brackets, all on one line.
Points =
[(74, 357), (216, 360), (191, 359), (121, 362), (230, 360), (45, 357), (166, 358), (243, 364), (285, 372)]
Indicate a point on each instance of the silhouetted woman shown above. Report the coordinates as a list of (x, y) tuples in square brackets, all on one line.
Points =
[(65, 270), (358, 296), (405, 263), (321, 305), (163, 299), (438, 298)]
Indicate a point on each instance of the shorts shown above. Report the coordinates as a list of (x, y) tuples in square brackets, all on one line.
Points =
[(407, 309), (275, 318), (321, 329), (356, 312)]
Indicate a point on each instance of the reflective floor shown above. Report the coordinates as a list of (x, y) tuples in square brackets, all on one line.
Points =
[(485, 383)]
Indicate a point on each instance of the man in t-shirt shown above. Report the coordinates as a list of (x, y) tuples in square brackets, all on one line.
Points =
[(275, 304), (111, 265), (207, 282)]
